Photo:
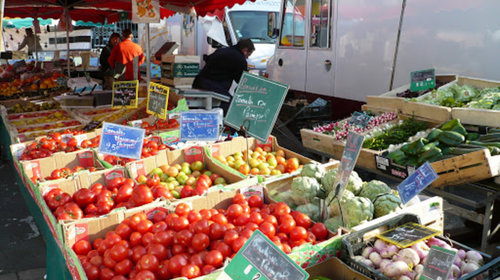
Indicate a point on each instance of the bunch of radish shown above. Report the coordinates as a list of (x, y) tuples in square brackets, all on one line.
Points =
[(408, 263)]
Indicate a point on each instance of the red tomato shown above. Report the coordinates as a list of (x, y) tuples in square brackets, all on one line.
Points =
[(207, 269), (230, 236), (106, 273), (183, 237), (200, 241), (159, 216), (206, 214), (242, 219), (118, 252), (141, 195), (182, 209), (301, 219), (255, 201), (144, 226), (234, 210), (281, 208), (148, 262), (96, 188), (190, 271), (176, 263), (193, 216), (298, 233), (201, 226), (147, 238), (180, 223), (311, 238), (224, 248), (83, 197), (215, 258), (320, 231), (91, 271), (256, 218), (145, 275), (138, 252), (160, 226), (163, 272), (157, 250), (123, 267), (267, 229), (161, 191), (187, 191), (82, 247), (239, 198), (135, 239), (286, 225), (216, 231), (220, 219), (153, 180)]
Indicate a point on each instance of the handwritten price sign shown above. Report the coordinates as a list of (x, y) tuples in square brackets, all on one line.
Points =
[(121, 140)]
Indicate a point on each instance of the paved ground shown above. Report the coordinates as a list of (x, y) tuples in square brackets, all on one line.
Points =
[(22, 248)]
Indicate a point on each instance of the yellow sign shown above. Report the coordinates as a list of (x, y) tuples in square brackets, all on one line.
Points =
[(125, 94), (157, 100), (408, 234)]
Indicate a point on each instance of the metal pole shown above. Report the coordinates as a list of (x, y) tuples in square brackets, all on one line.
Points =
[(403, 5), (148, 59), (67, 40), (2, 5)]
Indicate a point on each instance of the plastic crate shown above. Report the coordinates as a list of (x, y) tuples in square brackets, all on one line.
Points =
[(354, 243)]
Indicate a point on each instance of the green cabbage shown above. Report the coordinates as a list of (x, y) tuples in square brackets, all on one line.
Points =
[(354, 185), (356, 211), (304, 189), (334, 205), (373, 188), (314, 170), (385, 204)]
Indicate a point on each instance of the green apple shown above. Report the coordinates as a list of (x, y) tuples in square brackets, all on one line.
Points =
[(197, 166)]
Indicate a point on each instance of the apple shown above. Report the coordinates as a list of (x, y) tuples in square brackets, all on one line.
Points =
[(157, 171), (197, 166), (220, 181)]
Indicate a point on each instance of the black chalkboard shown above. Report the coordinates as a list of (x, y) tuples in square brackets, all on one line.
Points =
[(157, 100), (255, 105), (438, 263), (125, 94), (261, 259), (407, 234)]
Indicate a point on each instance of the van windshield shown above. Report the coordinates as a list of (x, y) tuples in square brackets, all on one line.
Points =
[(251, 24)]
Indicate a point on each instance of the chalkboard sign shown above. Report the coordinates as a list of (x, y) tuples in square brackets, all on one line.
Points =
[(407, 234), (125, 94), (422, 80), (359, 119), (256, 105), (121, 140), (201, 125), (416, 182), (261, 259), (438, 264), (157, 100)]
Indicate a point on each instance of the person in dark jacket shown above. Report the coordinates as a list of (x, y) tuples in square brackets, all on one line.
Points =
[(223, 67), (106, 71)]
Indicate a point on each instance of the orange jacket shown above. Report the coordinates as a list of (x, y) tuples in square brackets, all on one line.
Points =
[(124, 53)]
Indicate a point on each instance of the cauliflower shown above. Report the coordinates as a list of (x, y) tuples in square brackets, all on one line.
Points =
[(354, 185), (333, 223), (304, 188), (334, 205), (356, 211), (314, 170), (385, 204), (310, 210), (373, 188)]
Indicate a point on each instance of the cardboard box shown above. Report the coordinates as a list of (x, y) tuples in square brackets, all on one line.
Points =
[(335, 269), (239, 144), (179, 70)]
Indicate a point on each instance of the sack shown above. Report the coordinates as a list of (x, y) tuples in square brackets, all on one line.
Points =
[(119, 70)]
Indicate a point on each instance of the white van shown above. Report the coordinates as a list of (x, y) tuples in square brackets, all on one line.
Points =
[(348, 49)]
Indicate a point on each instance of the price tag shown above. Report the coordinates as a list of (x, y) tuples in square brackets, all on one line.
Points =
[(121, 140), (157, 100), (359, 119), (200, 125), (255, 105), (261, 259), (125, 94), (408, 234), (416, 182), (438, 263), (170, 137), (353, 145), (422, 80)]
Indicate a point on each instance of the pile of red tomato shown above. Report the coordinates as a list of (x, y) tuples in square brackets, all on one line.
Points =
[(65, 172), (160, 125), (53, 143), (191, 243), (149, 148), (99, 199)]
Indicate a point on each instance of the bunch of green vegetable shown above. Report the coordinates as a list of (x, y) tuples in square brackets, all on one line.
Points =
[(449, 140), (464, 96), (395, 135)]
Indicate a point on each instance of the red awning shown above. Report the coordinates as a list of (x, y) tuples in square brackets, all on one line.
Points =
[(202, 7)]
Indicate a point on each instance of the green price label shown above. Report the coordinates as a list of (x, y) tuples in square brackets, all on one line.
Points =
[(422, 80)]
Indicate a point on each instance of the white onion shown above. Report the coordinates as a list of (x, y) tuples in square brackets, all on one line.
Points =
[(380, 245), (366, 252), (375, 258), (474, 256)]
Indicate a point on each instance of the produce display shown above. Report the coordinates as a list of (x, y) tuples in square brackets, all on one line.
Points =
[(449, 140), (32, 107), (49, 126), (261, 162), (464, 96), (53, 143), (183, 180), (39, 118), (65, 172), (408, 263), (341, 129), (159, 124), (14, 84), (191, 243), (412, 94), (149, 148), (360, 202)]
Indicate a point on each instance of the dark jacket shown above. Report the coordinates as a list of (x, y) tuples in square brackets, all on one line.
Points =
[(221, 68), (103, 59)]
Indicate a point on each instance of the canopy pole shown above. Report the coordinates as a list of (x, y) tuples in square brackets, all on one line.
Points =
[(66, 11), (2, 6), (396, 49), (148, 59)]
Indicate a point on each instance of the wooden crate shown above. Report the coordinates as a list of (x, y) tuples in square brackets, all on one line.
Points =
[(473, 116), (428, 111), (386, 103), (471, 167)]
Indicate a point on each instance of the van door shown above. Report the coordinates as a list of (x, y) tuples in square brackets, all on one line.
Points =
[(290, 56), (320, 58)]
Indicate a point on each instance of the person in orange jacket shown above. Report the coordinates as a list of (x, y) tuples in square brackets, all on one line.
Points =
[(123, 55)]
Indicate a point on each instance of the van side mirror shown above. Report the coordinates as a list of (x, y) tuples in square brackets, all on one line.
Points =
[(214, 44), (272, 25)]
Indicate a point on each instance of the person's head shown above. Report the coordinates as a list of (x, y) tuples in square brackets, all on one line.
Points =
[(114, 39), (246, 46), (29, 31), (127, 34)]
